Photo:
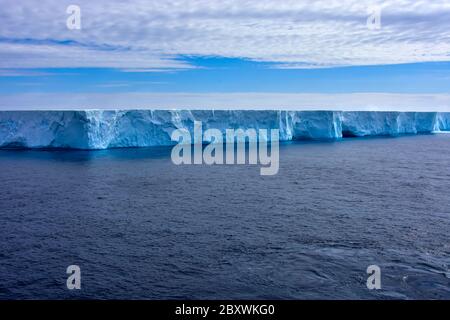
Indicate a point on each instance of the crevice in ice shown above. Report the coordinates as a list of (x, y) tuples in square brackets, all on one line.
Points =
[(348, 134)]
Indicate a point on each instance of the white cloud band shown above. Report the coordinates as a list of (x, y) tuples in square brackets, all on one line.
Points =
[(238, 100), (294, 33)]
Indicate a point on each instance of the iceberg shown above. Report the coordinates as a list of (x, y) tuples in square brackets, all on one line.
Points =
[(103, 129), (365, 123), (443, 121)]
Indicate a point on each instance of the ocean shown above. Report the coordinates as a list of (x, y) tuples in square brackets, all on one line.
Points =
[(140, 227)]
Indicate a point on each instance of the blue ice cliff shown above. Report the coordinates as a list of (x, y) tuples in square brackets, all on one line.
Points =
[(102, 129)]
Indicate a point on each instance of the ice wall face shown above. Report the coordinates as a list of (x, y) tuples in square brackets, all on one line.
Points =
[(443, 121), (358, 124), (102, 129), (315, 125), (43, 129)]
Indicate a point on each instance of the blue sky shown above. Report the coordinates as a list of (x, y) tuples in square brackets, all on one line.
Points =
[(235, 75), (289, 52)]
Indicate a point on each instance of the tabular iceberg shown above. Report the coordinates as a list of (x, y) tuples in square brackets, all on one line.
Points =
[(102, 129)]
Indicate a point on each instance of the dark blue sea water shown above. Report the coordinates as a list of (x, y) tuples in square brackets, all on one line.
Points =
[(140, 227)]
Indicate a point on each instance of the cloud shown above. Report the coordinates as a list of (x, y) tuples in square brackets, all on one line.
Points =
[(23, 73), (151, 34), (23, 55), (115, 84), (238, 100)]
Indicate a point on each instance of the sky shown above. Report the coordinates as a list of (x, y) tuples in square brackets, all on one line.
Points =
[(367, 55)]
